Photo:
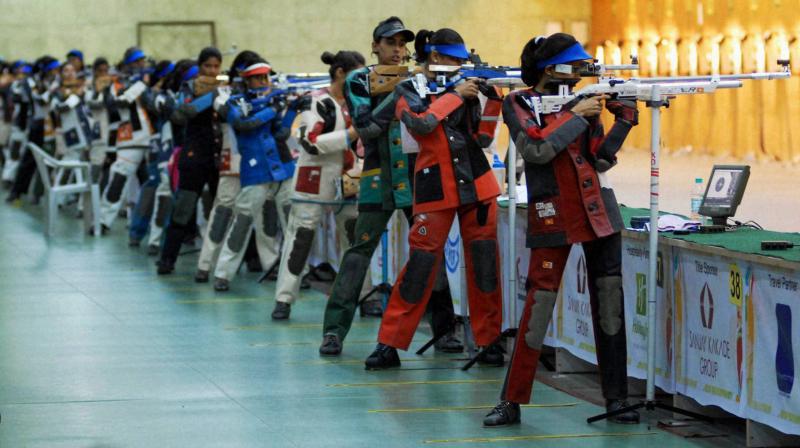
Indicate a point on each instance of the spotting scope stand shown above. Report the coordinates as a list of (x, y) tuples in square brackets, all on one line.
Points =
[(650, 403)]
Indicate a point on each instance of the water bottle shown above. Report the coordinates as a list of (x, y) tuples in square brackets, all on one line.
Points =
[(697, 198)]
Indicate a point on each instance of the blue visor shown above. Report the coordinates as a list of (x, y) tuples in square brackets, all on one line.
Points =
[(51, 66), (191, 73), (458, 51), (76, 53), (571, 54), (134, 56), (166, 70), (17, 64)]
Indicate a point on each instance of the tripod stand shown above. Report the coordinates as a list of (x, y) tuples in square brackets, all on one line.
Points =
[(655, 104)]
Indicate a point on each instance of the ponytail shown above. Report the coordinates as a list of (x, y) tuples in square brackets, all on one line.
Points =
[(346, 60)]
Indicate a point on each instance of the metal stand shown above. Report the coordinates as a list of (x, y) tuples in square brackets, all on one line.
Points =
[(649, 403)]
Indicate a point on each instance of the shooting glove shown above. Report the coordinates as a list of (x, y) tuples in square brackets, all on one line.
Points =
[(327, 111), (488, 91), (624, 110), (301, 103)]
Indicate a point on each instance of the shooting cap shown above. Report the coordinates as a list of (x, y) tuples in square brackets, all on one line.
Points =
[(570, 54), (259, 68), (390, 27)]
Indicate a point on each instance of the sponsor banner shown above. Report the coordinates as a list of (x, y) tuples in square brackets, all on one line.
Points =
[(397, 251), (574, 316), (709, 330), (456, 269), (635, 267), (519, 269), (773, 336), (326, 248)]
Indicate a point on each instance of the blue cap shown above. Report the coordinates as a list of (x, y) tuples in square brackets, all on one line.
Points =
[(571, 54), (51, 66), (135, 55), (166, 70), (76, 53), (458, 51), (17, 64), (191, 73)]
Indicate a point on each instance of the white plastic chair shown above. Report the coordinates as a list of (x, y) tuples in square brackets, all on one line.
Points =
[(80, 181)]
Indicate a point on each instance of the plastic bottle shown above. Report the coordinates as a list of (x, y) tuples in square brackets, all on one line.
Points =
[(697, 198)]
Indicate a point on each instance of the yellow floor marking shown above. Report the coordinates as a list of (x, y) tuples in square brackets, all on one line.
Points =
[(413, 383), (361, 361), (280, 344), (220, 301), (466, 408), (293, 326), (540, 437)]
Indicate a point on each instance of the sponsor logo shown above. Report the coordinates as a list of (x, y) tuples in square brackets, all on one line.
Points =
[(641, 294), (580, 271), (707, 307), (451, 254)]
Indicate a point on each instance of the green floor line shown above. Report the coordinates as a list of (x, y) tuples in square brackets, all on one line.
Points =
[(464, 408), (413, 383), (539, 437)]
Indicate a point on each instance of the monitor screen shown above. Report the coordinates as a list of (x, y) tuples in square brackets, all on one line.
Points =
[(724, 190)]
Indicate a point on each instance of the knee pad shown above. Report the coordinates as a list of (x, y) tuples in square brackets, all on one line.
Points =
[(147, 201), (115, 187), (219, 225), (484, 264), (419, 269), (163, 210), (541, 313), (609, 304), (351, 270), (185, 203), (303, 239), (270, 216), (240, 232), (350, 230)]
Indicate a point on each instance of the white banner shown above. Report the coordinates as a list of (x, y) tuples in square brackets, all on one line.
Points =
[(456, 269), (635, 267), (519, 268), (708, 362), (574, 316), (772, 365), (397, 251)]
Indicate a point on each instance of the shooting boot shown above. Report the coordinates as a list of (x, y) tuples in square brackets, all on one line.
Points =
[(626, 418), (505, 413), (331, 345), (449, 343), (221, 284), (492, 355), (384, 357), (282, 311), (201, 276)]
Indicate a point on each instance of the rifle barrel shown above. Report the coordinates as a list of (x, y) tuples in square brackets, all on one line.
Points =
[(709, 78)]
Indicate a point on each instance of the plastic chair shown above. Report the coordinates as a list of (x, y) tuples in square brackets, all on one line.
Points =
[(80, 182)]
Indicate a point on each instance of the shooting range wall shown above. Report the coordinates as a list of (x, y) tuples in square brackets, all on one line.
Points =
[(696, 37), (290, 34)]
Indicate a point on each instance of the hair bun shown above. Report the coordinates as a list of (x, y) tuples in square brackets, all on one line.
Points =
[(328, 57)]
